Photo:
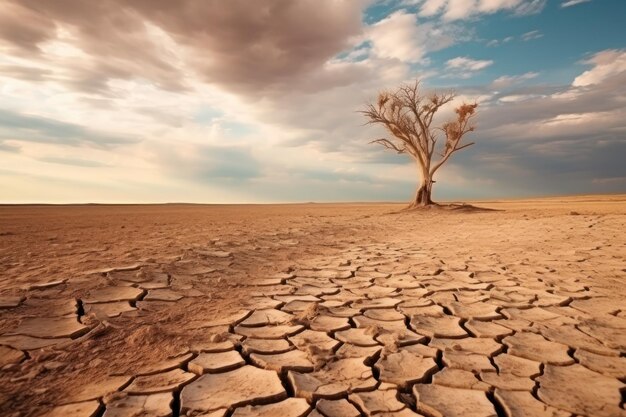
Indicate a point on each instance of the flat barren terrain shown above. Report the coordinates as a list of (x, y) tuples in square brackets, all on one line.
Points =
[(332, 310)]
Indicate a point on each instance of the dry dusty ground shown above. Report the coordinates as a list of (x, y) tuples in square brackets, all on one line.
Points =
[(314, 310)]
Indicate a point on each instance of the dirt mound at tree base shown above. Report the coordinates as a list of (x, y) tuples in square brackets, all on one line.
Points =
[(448, 207)]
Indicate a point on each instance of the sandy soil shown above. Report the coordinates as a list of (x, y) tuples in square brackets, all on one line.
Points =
[(117, 310)]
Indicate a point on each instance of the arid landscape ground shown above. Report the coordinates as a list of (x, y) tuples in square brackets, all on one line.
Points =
[(332, 310)]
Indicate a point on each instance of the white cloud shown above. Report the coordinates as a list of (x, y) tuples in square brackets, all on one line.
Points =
[(459, 9), (497, 42), (606, 64), (432, 7), (467, 64), (516, 98), (570, 3), (529, 7), (533, 34), (509, 80), (463, 9), (525, 37), (400, 36), (492, 6)]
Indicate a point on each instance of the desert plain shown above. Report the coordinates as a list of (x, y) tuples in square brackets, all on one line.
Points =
[(320, 310)]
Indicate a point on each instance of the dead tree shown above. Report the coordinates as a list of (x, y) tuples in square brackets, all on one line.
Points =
[(408, 116)]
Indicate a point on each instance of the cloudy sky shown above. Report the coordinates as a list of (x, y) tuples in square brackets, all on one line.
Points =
[(256, 101)]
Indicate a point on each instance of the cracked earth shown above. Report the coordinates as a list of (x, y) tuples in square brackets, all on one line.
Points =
[(314, 310)]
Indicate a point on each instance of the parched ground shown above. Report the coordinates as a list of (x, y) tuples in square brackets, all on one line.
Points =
[(314, 310)]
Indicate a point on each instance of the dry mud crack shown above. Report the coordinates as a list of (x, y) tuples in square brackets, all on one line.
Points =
[(373, 330)]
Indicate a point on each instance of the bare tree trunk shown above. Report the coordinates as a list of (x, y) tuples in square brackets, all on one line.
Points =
[(424, 191)]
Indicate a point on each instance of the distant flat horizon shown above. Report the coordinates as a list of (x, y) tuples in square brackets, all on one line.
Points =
[(591, 197)]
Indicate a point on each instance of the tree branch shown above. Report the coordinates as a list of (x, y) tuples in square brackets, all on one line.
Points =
[(464, 146), (389, 145)]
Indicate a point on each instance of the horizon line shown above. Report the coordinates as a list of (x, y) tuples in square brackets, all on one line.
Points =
[(448, 201)]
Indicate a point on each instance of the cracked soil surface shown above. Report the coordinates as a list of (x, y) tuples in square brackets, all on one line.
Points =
[(320, 310)]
